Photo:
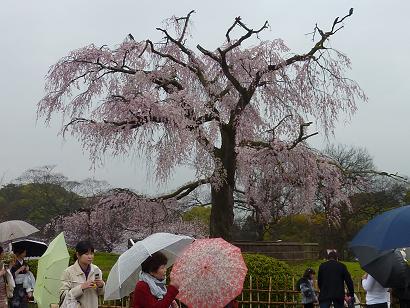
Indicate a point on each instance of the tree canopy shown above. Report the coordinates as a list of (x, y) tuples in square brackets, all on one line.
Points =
[(238, 114)]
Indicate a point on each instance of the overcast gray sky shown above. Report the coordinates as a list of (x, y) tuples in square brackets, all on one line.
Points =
[(35, 34)]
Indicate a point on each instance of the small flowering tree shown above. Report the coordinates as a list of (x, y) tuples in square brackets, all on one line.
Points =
[(118, 214), (235, 113)]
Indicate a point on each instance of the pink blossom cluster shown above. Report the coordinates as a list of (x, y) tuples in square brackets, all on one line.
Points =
[(119, 215)]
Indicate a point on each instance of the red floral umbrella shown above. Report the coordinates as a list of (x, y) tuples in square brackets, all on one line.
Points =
[(209, 271)]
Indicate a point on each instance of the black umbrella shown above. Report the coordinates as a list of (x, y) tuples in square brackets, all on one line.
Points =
[(387, 267), (33, 248)]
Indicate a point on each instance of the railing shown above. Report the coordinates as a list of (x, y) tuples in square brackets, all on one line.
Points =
[(285, 295), (255, 296)]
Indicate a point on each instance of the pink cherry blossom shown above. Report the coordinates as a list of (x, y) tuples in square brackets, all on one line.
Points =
[(238, 115)]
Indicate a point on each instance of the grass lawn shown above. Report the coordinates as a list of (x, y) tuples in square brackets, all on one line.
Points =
[(353, 267), (105, 262)]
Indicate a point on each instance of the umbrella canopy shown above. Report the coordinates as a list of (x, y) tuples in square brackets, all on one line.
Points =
[(125, 272), (50, 268), (34, 248), (387, 267), (386, 231), (209, 271), (15, 229)]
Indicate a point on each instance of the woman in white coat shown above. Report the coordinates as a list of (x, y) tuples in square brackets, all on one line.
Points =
[(82, 281), (376, 295)]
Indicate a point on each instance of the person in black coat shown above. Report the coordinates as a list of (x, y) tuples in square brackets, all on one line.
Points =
[(332, 277)]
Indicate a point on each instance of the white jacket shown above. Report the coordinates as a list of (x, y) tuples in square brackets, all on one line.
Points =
[(72, 279), (375, 292)]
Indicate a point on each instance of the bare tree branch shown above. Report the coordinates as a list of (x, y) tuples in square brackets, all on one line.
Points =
[(302, 137), (186, 19), (183, 190), (248, 34), (318, 46)]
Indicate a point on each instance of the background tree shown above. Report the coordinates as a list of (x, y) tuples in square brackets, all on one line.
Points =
[(371, 193), (37, 196), (221, 110), (121, 214), (354, 172)]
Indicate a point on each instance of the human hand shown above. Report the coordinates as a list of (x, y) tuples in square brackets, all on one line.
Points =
[(174, 304), (365, 276), (87, 285), (21, 269), (99, 283)]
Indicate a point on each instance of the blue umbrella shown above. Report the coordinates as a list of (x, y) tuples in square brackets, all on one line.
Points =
[(386, 231)]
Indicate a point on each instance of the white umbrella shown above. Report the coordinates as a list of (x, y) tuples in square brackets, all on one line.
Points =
[(14, 229), (125, 272)]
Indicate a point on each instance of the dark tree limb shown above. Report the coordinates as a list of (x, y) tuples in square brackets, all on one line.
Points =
[(183, 191), (208, 53), (249, 33), (186, 21), (272, 130), (302, 137), (318, 46)]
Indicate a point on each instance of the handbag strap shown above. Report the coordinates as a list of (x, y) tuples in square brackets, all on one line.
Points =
[(62, 296)]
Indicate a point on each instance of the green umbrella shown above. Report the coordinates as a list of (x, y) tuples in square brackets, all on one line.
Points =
[(50, 268)]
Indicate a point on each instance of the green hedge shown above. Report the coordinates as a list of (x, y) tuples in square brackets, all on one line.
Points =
[(264, 269), (33, 266)]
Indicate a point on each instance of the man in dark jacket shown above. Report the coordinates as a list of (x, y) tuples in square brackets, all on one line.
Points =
[(331, 280)]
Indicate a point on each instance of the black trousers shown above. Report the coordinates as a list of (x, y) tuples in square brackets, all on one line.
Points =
[(380, 305), (337, 303), (310, 305), (404, 303)]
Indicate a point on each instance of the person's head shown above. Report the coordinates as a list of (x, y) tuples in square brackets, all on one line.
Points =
[(155, 265), (20, 251), (332, 255), (309, 273), (84, 252)]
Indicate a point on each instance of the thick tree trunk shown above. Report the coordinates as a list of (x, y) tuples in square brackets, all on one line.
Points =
[(222, 216)]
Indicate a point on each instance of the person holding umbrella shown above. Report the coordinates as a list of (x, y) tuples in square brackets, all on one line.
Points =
[(82, 281), (150, 291), (24, 279)]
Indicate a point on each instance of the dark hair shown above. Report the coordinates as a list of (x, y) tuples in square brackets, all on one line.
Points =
[(332, 255), (308, 272), (152, 263), (19, 248), (83, 247), (1, 249)]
